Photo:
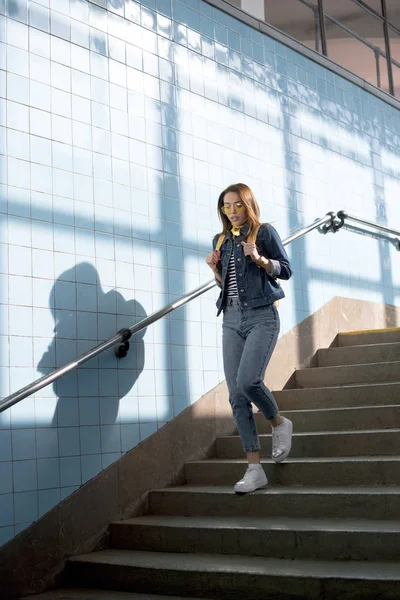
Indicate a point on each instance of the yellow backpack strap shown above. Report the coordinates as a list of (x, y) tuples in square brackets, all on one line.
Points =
[(253, 236), (220, 241)]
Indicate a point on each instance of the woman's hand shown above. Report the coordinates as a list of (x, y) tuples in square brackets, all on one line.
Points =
[(251, 250), (213, 259)]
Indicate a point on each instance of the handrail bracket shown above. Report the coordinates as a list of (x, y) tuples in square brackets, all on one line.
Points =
[(122, 348)]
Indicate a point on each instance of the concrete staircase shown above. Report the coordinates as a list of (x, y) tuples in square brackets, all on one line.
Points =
[(328, 526)]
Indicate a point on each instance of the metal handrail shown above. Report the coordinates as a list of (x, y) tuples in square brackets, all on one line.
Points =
[(325, 224), (343, 216)]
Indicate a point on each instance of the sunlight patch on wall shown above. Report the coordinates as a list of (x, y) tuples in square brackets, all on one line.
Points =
[(333, 134)]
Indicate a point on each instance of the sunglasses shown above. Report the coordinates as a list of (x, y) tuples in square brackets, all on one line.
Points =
[(237, 208)]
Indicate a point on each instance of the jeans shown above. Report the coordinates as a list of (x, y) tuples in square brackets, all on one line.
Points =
[(249, 337)]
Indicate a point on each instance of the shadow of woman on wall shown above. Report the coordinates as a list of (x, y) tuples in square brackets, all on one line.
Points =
[(89, 398)]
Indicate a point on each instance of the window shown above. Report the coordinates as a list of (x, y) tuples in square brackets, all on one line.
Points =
[(297, 18), (355, 40)]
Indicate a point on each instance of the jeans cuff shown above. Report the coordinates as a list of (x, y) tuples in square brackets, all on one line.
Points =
[(252, 449), (273, 416)]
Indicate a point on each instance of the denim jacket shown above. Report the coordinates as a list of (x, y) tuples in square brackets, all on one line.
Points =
[(255, 286)]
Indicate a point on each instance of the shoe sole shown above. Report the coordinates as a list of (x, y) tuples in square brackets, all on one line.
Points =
[(286, 454), (259, 487)]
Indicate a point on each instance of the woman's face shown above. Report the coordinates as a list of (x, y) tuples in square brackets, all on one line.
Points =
[(234, 209)]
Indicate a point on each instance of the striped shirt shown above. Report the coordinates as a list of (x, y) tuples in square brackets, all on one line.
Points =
[(231, 289)]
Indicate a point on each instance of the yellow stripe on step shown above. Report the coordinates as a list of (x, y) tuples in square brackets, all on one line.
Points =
[(370, 331)]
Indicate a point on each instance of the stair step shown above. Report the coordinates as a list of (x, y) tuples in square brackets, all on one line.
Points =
[(321, 471), (234, 577), (348, 374), (87, 594), (374, 394), (347, 502), (338, 419), (326, 539), (322, 444), (377, 336), (357, 355)]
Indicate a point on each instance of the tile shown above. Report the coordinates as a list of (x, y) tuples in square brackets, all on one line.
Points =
[(39, 17), (6, 482), (60, 51), (81, 109), (98, 17), (83, 191), (17, 144), (39, 42), (81, 84), (46, 409), (98, 42), (63, 185), (61, 129), (17, 61), (134, 57), (117, 73), (86, 297), (87, 325), (65, 295), (60, 103), (6, 510), (40, 122), (25, 507), (67, 417), (17, 116), (118, 97), (41, 178), (47, 442), (66, 351), (91, 465), (20, 322), (40, 151), (101, 141), (70, 471), (100, 114), (48, 473), (6, 534), (18, 173), (109, 408), (90, 440), (20, 260), (147, 429), (47, 499), (129, 436), (64, 240), (110, 438), (24, 474), (89, 411), (60, 77), (80, 59), (5, 445), (69, 441), (42, 264), (80, 10)]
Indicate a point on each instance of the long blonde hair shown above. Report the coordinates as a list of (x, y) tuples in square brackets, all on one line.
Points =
[(247, 198)]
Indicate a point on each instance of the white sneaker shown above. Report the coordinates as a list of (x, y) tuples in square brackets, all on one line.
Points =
[(254, 479), (282, 440)]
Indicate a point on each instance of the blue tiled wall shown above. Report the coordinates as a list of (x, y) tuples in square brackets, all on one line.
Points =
[(119, 125)]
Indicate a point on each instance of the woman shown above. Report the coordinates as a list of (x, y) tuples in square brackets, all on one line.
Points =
[(247, 259)]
